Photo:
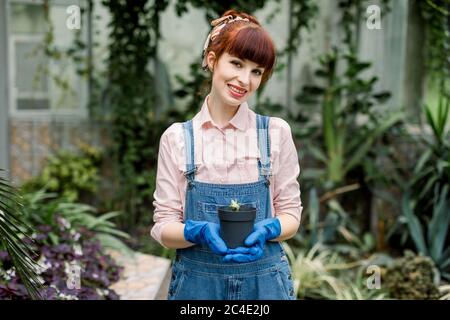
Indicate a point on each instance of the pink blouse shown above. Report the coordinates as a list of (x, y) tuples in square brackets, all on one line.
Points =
[(225, 155)]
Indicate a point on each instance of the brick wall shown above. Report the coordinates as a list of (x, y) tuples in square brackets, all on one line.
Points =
[(32, 141)]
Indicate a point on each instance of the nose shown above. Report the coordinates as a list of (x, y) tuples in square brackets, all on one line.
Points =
[(244, 78)]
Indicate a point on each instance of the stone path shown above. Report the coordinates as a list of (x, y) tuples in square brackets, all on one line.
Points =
[(145, 277)]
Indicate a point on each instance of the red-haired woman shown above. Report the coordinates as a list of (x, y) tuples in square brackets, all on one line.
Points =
[(226, 152)]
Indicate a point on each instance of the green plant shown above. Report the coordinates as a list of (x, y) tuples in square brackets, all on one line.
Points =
[(425, 207), (335, 228), (310, 273), (322, 273), (41, 207), (412, 277), (69, 174), (131, 96), (77, 259), (13, 232), (432, 242), (439, 124), (194, 88), (433, 166), (216, 8), (235, 205), (435, 15), (445, 292), (345, 142)]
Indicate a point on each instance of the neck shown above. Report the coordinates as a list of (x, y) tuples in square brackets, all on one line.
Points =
[(220, 112)]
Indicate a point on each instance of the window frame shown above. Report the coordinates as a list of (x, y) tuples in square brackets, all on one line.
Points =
[(80, 112)]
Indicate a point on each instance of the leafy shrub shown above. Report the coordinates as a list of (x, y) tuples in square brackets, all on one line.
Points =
[(69, 174), (69, 236), (424, 222), (75, 248), (412, 277), (322, 273), (43, 208), (13, 229)]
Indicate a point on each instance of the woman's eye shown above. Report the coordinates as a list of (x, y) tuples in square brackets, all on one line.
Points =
[(239, 65)]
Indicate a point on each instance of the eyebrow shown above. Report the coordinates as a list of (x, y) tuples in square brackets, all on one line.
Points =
[(258, 66)]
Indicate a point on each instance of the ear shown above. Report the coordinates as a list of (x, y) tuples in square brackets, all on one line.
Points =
[(211, 60)]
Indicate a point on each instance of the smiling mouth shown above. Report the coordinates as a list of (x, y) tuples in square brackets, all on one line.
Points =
[(235, 91)]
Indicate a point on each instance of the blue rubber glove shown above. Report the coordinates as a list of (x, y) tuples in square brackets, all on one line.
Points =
[(263, 231), (243, 254), (203, 232)]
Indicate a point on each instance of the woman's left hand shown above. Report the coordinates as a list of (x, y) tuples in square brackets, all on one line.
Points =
[(263, 231)]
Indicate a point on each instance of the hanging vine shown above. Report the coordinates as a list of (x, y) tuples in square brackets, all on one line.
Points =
[(303, 14), (436, 14), (131, 95)]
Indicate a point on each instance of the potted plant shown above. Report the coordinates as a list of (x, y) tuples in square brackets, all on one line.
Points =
[(236, 223)]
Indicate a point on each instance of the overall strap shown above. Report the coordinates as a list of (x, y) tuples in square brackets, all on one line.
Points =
[(262, 127), (189, 150)]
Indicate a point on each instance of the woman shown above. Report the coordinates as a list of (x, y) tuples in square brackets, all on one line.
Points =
[(215, 157)]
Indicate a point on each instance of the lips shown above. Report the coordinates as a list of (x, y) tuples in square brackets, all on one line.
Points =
[(234, 91)]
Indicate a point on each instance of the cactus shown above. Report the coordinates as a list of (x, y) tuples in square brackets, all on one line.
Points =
[(235, 205)]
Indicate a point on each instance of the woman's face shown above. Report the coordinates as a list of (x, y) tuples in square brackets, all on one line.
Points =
[(234, 80)]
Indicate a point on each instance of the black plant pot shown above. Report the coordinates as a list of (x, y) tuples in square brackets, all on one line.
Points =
[(235, 226)]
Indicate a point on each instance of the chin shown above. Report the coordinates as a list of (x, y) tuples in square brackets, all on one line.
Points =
[(232, 101)]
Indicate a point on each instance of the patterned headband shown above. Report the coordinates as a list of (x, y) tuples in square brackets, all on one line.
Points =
[(218, 25)]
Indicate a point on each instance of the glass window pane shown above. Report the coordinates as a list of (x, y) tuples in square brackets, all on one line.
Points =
[(64, 88), (28, 60), (27, 18), (63, 36), (52, 81), (32, 104)]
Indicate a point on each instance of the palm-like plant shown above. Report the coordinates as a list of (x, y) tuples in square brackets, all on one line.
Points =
[(432, 241), (13, 232), (321, 273), (425, 205), (345, 99)]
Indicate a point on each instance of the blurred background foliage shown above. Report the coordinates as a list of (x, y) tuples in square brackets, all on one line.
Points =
[(374, 192)]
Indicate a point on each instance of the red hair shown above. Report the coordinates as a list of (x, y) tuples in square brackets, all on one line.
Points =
[(245, 40)]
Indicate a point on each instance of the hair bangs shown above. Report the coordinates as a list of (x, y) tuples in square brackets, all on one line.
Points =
[(253, 44)]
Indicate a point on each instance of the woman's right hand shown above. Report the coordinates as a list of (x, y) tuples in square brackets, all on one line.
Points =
[(203, 232)]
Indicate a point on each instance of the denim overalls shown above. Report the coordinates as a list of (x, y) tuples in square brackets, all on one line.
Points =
[(197, 272)]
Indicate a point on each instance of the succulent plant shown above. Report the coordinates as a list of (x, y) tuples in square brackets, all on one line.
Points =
[(235, 205)]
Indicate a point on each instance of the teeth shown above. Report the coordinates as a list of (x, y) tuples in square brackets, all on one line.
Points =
[(236, 90)]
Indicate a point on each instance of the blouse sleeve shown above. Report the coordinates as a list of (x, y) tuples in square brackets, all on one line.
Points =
[(167, 199), (286, 196)]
